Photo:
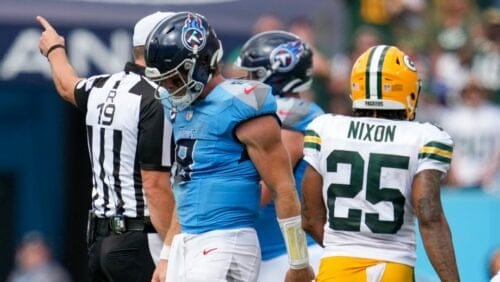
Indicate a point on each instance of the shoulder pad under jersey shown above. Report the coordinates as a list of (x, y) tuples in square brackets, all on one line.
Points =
[(252, 93), (93, 81), (296, 113)]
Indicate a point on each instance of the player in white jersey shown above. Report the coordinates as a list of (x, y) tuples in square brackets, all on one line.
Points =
[(369, 176)]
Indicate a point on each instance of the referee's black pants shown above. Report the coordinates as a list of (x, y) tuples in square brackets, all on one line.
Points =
[(121, 257)]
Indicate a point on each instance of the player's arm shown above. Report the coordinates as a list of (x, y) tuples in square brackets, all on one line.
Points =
[(295, 147), (160, 198), (313, 207), (160, 272), (63, 74), (262, 138), (155, 157), (436, 235), (294, 144)]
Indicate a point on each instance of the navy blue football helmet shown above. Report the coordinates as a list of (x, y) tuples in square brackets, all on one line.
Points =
[(278, 58), (185, 50)]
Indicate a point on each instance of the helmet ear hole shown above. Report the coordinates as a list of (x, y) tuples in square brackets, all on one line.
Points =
[(188, 65), (261, 73), (412, 96)]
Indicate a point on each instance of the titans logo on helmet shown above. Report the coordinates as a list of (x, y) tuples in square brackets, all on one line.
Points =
[(193, 33), (286, 55)]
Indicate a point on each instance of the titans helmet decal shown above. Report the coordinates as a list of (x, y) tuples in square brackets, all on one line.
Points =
[(193, 33), (286, 56)]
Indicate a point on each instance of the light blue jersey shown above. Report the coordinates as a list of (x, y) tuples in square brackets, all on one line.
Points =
[(216, 185), (295, 114)]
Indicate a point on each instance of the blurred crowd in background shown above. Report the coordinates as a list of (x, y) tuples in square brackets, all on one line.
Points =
[(34, 262)]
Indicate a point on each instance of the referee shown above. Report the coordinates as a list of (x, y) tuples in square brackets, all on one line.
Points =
[(129, 142)]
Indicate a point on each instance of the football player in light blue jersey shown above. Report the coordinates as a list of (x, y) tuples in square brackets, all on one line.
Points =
[(227, 139), (283, 61)]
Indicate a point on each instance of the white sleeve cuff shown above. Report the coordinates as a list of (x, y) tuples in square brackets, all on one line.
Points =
[(165, 252)]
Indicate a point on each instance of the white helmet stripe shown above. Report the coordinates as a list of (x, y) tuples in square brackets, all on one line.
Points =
[(375, 71)]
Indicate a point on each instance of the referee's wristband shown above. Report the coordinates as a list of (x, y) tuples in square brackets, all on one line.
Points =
[(54, 47), (165, 252)]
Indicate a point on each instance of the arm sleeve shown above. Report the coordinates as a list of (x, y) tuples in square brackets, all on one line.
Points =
[(155, 136), (436, 150), (259, 103), (312, 144), (84, 87)]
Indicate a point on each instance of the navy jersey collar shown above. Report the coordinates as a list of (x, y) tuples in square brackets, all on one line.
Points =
[(135, 68)]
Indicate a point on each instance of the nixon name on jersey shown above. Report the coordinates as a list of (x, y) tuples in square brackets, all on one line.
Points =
[(371, 132)]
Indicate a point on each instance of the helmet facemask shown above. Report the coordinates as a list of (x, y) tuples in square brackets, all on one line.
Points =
[(182, 89), (411, 109), (258, 73)]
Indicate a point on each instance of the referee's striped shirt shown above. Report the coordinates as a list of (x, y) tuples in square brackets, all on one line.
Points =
[(126, 131)]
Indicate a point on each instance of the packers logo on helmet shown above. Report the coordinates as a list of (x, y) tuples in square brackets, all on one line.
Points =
[(385, 78)]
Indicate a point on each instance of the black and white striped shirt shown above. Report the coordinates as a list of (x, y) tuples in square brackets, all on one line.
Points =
[(126, 131)]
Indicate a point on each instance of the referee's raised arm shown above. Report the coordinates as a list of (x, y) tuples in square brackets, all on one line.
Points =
[(53, 47)]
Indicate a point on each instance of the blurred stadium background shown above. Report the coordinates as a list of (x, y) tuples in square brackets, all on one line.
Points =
[(44, 166)]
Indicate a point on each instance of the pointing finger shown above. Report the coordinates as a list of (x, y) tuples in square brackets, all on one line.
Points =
[(44, 23)]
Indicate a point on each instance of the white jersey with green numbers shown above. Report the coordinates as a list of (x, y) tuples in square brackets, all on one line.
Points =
[(368, 166)]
